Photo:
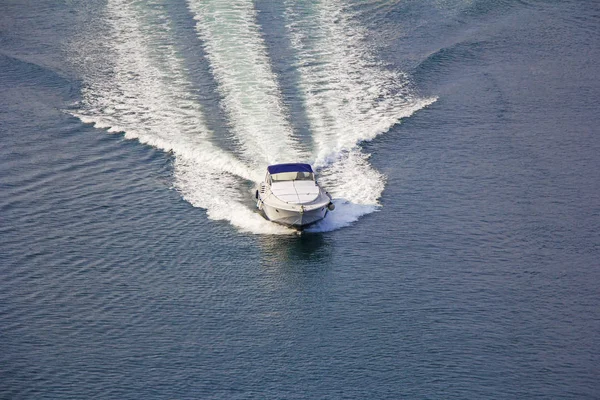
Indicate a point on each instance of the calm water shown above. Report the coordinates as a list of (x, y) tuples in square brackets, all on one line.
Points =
[(461, 142)]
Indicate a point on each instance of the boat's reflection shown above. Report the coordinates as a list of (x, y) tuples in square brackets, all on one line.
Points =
[(292, 250), (296, 263)]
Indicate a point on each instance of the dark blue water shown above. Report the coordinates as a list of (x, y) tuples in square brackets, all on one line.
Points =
[(476, 276)]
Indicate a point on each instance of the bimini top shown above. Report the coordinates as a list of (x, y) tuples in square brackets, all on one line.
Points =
[(278, 168)]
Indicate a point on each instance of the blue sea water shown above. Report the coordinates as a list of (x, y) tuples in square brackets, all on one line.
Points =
[(459, 138)]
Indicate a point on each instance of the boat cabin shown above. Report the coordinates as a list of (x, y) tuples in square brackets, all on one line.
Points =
[(289, 172)]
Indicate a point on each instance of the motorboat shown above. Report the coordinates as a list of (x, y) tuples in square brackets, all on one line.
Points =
[(291, 196)]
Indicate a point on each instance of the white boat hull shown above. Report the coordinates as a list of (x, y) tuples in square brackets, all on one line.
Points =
[(293, 218)]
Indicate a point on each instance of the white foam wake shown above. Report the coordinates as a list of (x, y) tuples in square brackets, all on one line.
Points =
[(147, 96), (144, 91), (241, 66), (350, 97)]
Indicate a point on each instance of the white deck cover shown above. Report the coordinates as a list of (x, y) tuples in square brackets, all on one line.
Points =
[(298, 192)]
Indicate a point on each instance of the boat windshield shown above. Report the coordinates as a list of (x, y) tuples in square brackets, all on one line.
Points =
[(293, 176)]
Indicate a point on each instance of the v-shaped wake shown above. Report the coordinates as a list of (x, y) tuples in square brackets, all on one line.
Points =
[(143, 89)]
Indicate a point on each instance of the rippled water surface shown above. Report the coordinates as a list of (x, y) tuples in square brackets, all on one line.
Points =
[(460, 142)]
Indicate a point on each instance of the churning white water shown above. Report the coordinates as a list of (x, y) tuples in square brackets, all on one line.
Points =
[(349, 97)]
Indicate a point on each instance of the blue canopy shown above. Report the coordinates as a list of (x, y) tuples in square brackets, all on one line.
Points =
[(278, 168)]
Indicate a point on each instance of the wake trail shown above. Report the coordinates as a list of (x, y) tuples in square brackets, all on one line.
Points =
[(350, 97), (241, 66), (136, 82), (143, 91), (146, 94)]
